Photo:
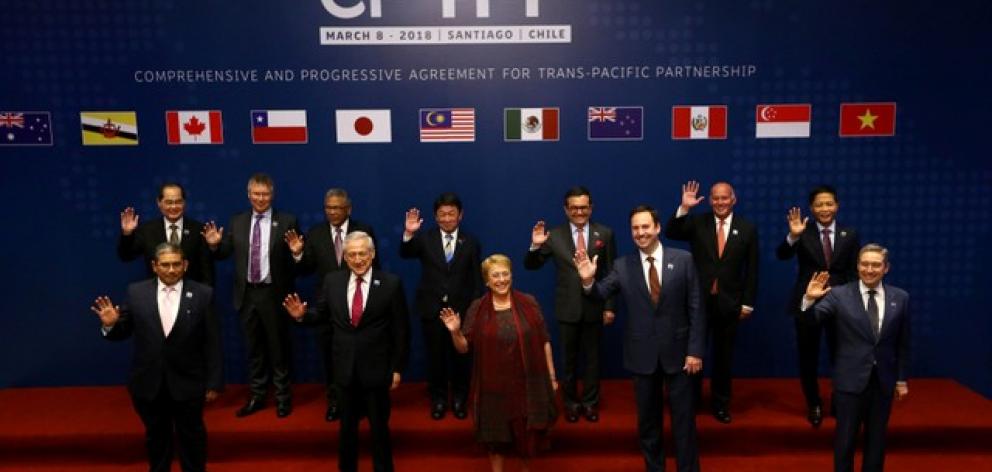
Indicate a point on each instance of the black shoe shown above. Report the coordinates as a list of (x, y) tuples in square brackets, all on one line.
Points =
[(572, 414), (591, 414), (458, 408), (254, 404), (437, 411), (815, 415), (284, 408), (722, 415), (332, 412)]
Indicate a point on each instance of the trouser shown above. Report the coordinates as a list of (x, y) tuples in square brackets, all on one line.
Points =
[(163, 417), (649, 395), (584, 338), (445, 365), (267, 336), (808, 334), (353, 400), (870, 408)]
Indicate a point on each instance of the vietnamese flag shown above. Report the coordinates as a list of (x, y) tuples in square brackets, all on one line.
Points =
[(867, 119)]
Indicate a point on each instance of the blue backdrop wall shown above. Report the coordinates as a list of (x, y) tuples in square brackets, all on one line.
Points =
[(924, 192)]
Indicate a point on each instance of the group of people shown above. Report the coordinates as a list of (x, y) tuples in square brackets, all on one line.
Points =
[(489, 355)]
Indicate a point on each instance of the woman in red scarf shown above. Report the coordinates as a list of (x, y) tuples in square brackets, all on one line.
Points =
[(513, 376)]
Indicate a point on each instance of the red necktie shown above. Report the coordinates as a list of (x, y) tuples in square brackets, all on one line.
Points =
[(654, 287), (356, 303), (828, 250), (580, 240)]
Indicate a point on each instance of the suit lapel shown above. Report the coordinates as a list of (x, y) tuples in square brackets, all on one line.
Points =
[(863, 320), (594, 236), (709, 232), (841, 241), (273, 227), (812, 237), (892, 309), (563, 234), (637, 273), (341, 297), (183, 315), (152, 292)]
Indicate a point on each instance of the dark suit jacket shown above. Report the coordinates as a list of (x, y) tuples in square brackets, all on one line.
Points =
[(571, 303), (237, 241), (668, 333), (443, 284), (319, 252), (809, 251), (857, 349), (148, 235), (736, 271), (379, 345), (190, 360)]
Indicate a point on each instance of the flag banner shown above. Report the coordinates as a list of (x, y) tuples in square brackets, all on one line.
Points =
[(530, 124), (279, 126), (109, 128), (363, 126), (616, 123), (867, 119), (194, 127), (25, 128), (447, 125), (699, 122), (782, 121)]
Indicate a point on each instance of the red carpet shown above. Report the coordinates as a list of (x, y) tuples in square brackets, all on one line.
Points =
[(943, 426)]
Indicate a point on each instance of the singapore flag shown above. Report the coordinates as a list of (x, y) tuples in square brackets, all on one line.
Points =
[(363, 126), (782, 121)]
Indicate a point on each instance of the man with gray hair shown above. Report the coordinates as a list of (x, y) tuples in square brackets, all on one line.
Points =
[(322, 252), (871, 356)]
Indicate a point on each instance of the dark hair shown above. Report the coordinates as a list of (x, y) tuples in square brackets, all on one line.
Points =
[(448, 198), (648, 209), (168, 248), (577, 191), (161, 189), (822, 189), (261, 179)]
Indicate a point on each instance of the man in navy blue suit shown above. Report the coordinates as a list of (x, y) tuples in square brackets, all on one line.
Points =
[(871, 357), (177, 357), (664, 336)]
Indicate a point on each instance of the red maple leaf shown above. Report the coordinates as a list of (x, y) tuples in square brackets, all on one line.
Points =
[(194, 126)]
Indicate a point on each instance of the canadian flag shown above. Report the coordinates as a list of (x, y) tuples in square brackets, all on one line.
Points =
[(699, 122), (194, 127), (363, 126)]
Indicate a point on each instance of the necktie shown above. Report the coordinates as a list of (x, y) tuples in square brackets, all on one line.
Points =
[(580, 240), (721, 242), (356, 303), (873, 312), (338, 250), (174, 234), (166, 311), (653, 285), (828, 250), (255, 260), (449, 248)]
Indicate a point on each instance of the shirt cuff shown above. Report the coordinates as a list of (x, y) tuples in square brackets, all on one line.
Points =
[(298, 258), (747, 308), (679, 213), (791, 240), (807, 302)]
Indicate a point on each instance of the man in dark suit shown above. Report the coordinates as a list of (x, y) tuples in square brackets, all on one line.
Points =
[(368, 315), (450, 277), (822, 245), (142, 239), (871, 360), (263, 274), (725, 250), (177, 357), (664, 337), (322, 252), (580, 317)]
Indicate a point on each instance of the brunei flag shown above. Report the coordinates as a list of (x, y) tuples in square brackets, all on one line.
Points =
[(109, 128)]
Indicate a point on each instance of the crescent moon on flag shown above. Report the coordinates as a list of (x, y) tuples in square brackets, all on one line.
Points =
[(430, 118), (764, 113)]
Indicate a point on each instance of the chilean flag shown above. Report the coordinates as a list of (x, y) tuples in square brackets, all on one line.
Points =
[(279, 126)]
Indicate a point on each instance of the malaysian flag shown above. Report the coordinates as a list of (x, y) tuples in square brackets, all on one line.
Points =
[(25, 128), (447, 125)]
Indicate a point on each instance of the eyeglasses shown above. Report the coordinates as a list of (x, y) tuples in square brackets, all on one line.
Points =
[(577, 209)]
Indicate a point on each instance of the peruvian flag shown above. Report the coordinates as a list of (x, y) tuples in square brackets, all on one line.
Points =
[(194, 127), (782, 121), (867, 119), (699, 122)]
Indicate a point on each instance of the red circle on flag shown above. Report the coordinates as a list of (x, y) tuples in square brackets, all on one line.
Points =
[(363, 126)]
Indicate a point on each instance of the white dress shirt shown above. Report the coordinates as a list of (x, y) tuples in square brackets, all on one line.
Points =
[(168, 304), (179, 228), (658, 255), (353, 284), (265, 225)]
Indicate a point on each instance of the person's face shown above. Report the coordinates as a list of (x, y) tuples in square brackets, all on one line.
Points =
[(358, 255), (169, 267), (448, 217), (644, 231), (872, 266), (578, 210), (260, 196), (499, 279), (722, 200), (824, 208), (171, 203), (337, 210)]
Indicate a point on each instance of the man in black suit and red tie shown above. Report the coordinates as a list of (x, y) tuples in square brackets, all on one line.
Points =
[(725, 250), (367, 311), (818, 246), (174, 227), (450, 277), (322, 252), (177, 363), (871, 357), (264, 273)]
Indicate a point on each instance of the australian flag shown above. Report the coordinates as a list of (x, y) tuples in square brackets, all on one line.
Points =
[(25, 128), (616, 123)]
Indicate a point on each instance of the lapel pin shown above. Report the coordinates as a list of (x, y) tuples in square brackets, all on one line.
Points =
[(185, 231), (275, 223), (670, 266), (843, 233), (375, 282), (595, 233), (734, 232), (189, 294), (893, 304), (461, 241)]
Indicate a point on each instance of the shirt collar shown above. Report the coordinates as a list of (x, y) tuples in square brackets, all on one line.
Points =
[(832, 227), (726, 221), (879, 290), (267, 213), (344, 227), (454, 235), (658, 254), (161, 285), (178, 223)]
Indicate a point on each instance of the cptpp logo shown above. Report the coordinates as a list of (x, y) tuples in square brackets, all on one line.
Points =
[(531, 8)]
